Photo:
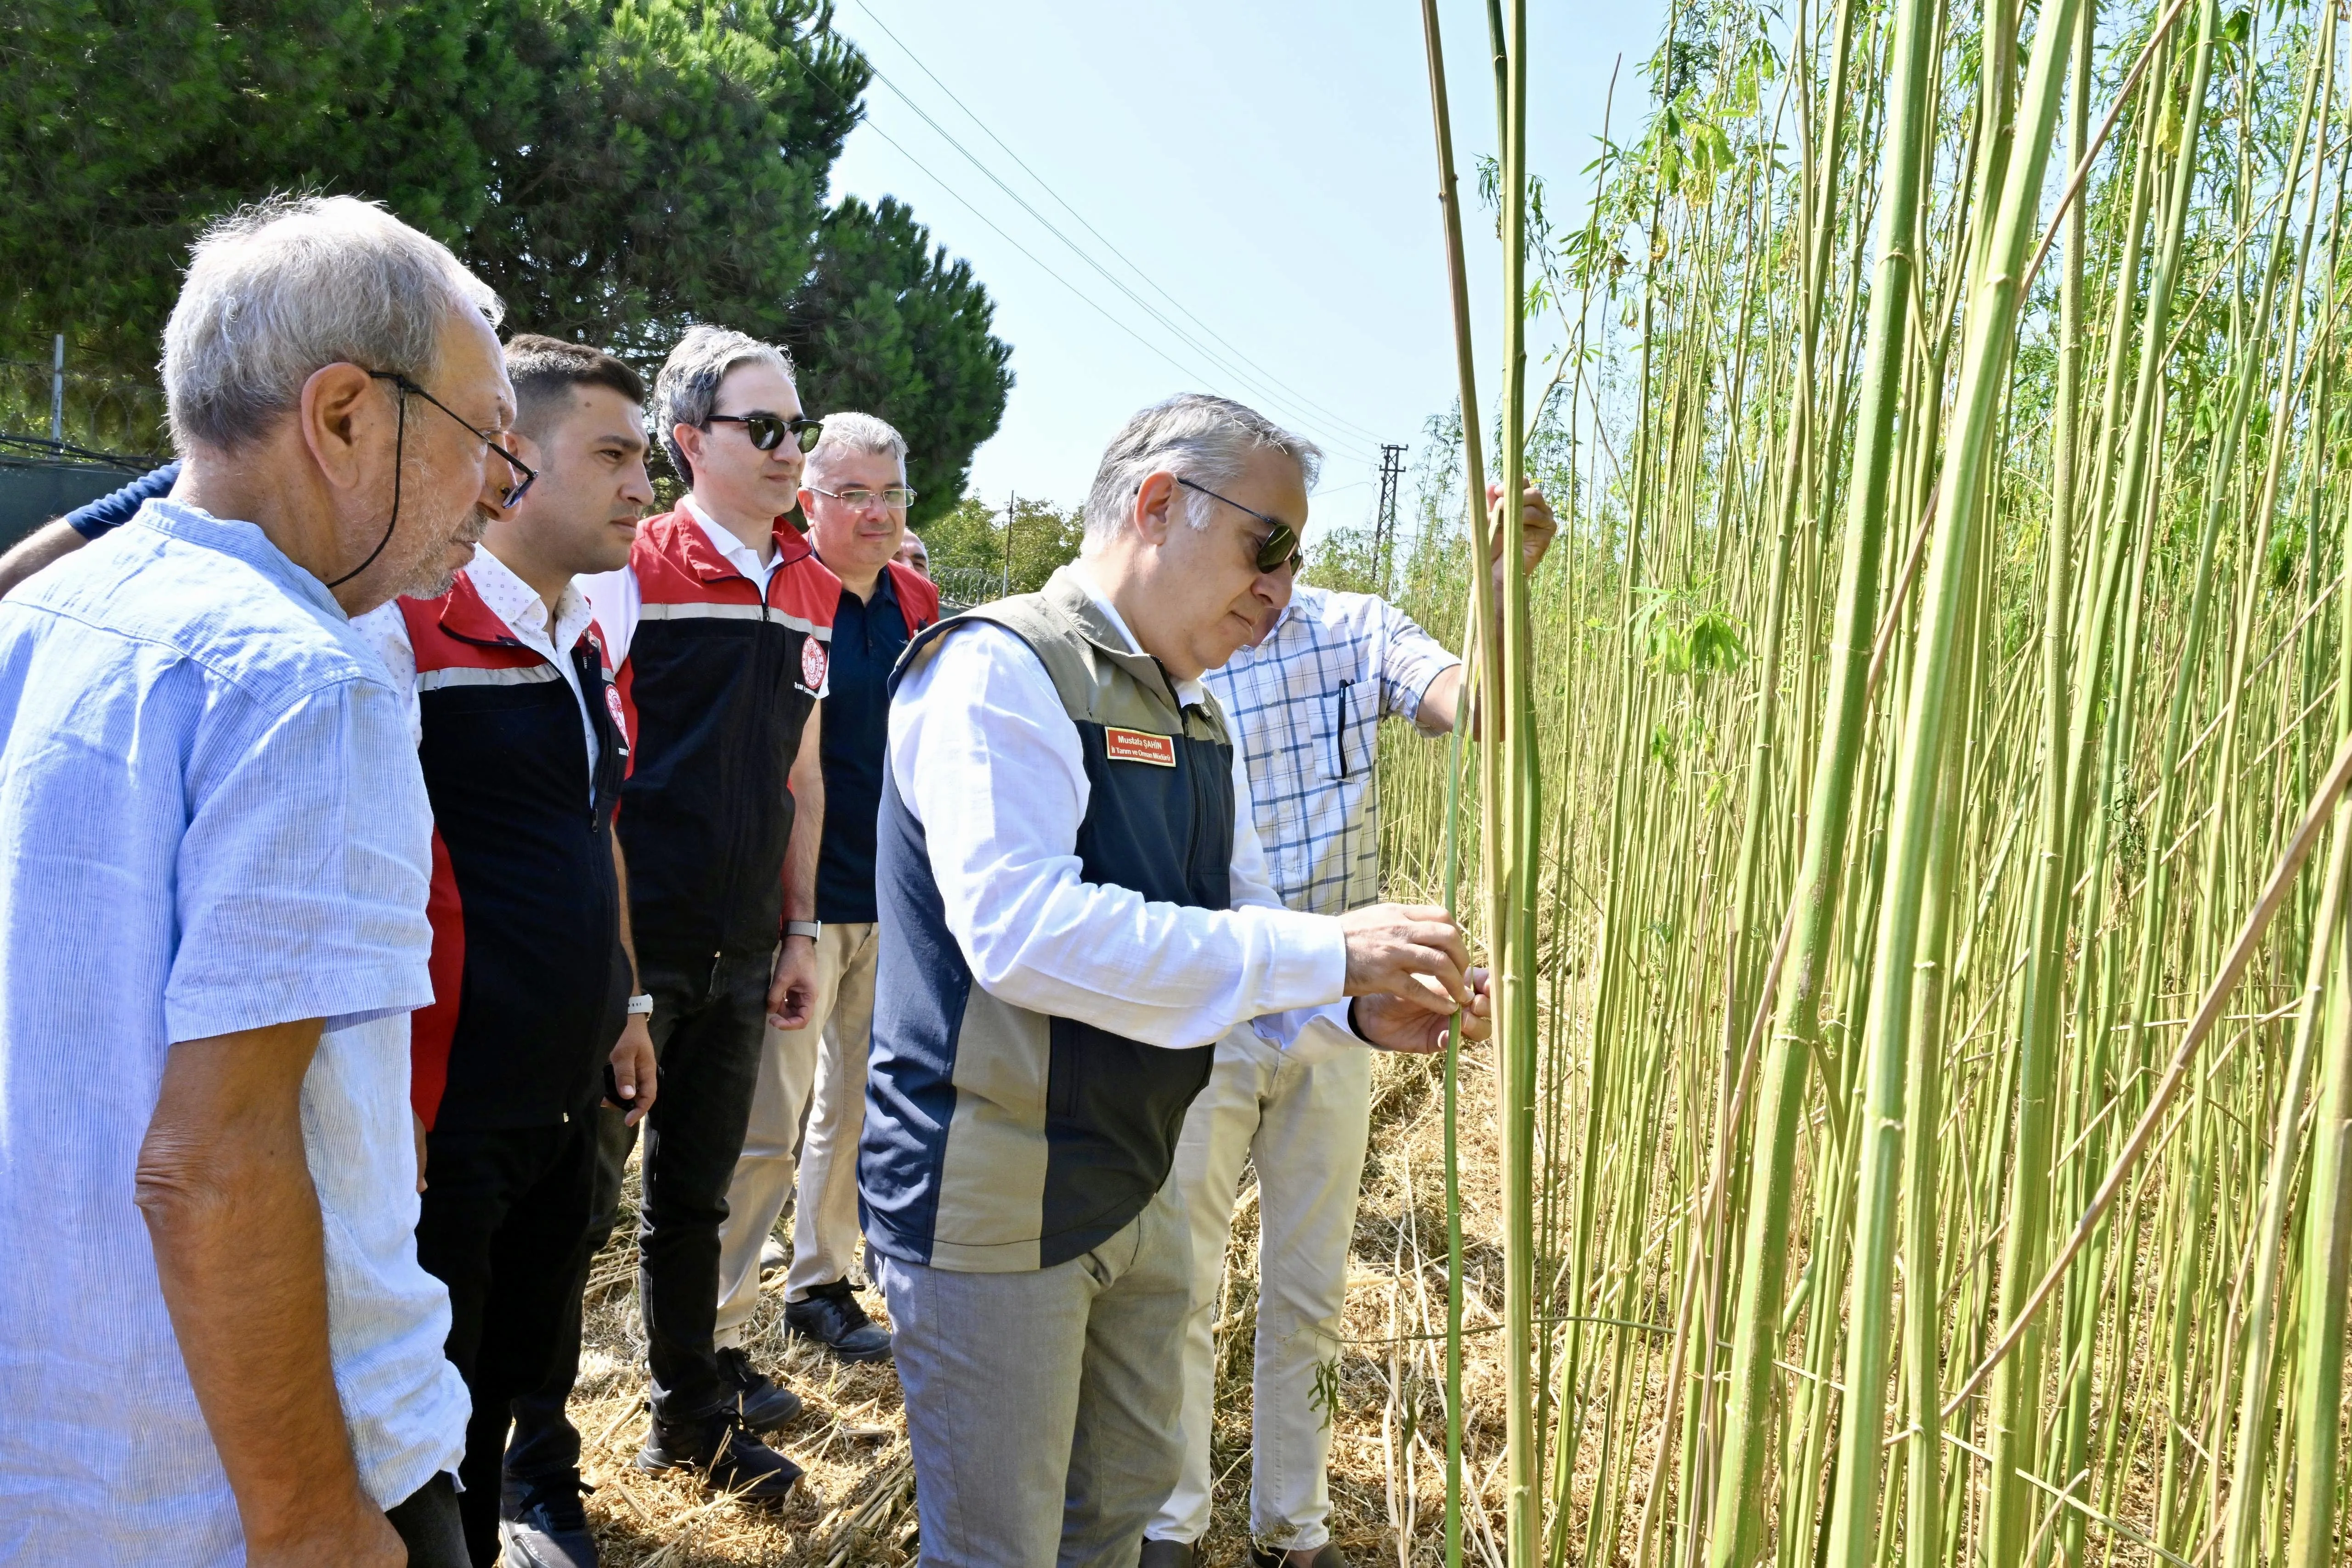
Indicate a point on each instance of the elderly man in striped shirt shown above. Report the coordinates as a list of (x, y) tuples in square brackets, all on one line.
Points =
[(1305, 700)]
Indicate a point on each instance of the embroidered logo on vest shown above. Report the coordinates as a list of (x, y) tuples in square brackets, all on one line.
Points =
[(1135, 746), (813, 664)]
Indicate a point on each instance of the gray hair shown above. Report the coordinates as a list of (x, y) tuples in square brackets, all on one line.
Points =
[(280, 288), (686, 390), (1208, 440), (860, 433)]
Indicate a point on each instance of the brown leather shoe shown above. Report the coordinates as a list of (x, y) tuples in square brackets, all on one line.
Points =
[(1166, 1555), (1328, 1556)]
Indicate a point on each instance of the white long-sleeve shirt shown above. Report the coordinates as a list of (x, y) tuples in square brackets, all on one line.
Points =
[(984, 756)]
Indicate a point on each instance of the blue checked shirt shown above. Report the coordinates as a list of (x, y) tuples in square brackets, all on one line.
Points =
[(1306, 706)]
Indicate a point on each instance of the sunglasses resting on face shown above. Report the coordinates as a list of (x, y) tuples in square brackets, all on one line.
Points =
[(768, 431), (1281, 543)]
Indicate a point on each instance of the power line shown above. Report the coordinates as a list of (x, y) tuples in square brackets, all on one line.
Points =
[(1086, 299), (1266, 378), (1142, 304)]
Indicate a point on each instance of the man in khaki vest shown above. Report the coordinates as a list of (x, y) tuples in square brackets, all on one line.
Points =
[(1073, 909)]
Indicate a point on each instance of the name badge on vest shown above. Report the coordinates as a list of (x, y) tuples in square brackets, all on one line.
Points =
[(1135, 746)]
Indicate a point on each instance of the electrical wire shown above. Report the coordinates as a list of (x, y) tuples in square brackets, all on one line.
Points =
[(1266, 376), (1343, 447)]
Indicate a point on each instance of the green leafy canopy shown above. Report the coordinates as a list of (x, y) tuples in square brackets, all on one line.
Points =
[(615, 169)]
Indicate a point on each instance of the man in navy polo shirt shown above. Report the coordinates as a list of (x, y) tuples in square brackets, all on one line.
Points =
[(854, 495)]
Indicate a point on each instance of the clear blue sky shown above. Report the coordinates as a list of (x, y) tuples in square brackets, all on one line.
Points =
[(1270, 166)]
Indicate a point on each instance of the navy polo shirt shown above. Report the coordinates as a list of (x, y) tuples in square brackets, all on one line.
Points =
[(868, 634)]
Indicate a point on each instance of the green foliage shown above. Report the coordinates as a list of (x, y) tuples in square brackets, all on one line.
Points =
[(967, 544), (615, 169)]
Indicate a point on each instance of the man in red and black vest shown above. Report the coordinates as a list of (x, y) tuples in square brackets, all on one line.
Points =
[(811, 1103), (535, 1002), (719, 625)]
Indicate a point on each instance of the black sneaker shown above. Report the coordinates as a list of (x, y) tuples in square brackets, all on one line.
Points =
[(543, 1525), (1330, 1556), (831, 1316), (724, 1450), (1166, 1555), (763, 1404)]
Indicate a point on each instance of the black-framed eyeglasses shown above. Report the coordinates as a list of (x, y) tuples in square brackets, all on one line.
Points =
[(525, 474), (768, 431), (1281, 541), (894, 497)]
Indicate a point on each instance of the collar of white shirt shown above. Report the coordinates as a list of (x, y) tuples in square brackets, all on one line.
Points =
[(737, 554), (1188, 693), (514, 601)]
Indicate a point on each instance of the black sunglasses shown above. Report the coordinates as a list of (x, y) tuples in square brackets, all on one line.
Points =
[(1281, 541), (767, 430), (524, 473)]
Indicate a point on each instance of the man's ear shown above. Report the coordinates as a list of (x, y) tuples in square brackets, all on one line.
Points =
[(340, 416), (1156, 501), (689, 441)]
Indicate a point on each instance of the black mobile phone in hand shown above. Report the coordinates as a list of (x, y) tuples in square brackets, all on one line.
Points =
[(613, 1090)]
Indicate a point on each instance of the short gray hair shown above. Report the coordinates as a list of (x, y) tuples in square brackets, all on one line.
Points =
[(860, 433), (280, 288), (687, 387), (1208, 440)]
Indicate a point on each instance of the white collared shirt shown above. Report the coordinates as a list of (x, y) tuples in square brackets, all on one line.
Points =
[(512, 600), (984, 753)]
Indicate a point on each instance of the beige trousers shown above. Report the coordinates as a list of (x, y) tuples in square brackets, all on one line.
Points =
[(808, 1108)]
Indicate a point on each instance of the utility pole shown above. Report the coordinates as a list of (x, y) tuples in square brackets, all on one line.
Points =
[(58, 394), (1012, 510), (1384, 523)]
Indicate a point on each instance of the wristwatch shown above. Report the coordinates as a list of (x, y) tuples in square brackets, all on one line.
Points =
[(811, 929), (641, 1006)]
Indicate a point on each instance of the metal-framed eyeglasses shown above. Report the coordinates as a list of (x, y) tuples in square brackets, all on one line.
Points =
[(1280, 546), (768, 431), (525, 475), (894, 497)]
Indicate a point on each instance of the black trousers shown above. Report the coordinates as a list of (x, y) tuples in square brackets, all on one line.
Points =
[(426, 1522), (710, 1019), (503, 1224)]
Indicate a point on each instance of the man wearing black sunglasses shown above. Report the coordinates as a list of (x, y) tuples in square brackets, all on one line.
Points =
[(719, 628), (1073, 909)]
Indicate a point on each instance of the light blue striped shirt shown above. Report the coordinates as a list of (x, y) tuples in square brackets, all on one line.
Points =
[(211, 820), (1305, 706)]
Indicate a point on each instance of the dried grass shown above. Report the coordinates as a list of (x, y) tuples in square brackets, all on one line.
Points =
[(856, 1508)]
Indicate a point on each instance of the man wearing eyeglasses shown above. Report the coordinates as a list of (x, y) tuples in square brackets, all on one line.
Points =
[(719, 627), (812, 1093), (220, 1347), (1073, 909), (1306, 698)]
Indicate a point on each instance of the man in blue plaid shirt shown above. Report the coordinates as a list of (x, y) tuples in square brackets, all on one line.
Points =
[(1305, 702)]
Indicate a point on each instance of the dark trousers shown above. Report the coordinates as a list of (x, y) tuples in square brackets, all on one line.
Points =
[(426, 1522), (709, 1018), (502, 1223)]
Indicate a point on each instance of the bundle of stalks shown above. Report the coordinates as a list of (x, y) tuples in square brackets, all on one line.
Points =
[(1909, 836)]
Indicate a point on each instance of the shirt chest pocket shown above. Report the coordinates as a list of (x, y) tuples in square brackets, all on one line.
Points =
[(1346, 724)]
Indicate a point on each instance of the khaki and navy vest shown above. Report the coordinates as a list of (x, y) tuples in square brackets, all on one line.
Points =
[(999, 1139)]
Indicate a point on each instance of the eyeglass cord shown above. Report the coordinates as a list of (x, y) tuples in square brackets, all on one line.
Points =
[(399, 440)]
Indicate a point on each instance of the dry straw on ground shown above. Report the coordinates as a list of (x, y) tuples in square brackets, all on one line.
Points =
[(856, 1506)]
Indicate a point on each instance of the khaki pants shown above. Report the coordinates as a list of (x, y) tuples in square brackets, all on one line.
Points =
[(1304, 1127), (808, 1109)]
